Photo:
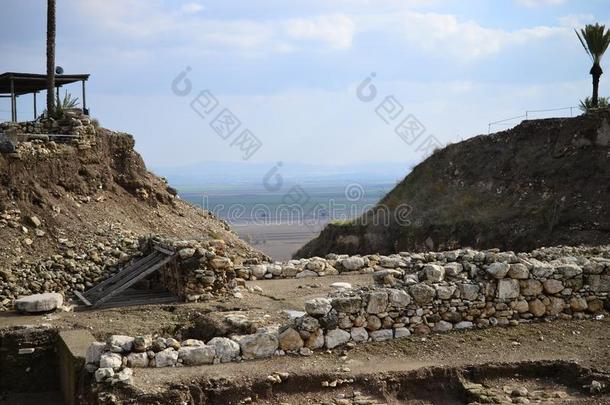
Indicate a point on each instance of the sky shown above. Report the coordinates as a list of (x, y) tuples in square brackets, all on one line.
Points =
[(292, 73)]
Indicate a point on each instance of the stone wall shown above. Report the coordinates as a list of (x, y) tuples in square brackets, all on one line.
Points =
[(73, 122), (202, 269), (422, 294), (31, 139)]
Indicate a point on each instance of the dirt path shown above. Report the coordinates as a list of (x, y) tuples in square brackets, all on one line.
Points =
[(266, 307)]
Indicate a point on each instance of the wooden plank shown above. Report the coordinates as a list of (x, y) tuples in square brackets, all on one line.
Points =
[(163, 249), (82, 298), (143, 301), (153, 259), (132, 281), (143, 261)]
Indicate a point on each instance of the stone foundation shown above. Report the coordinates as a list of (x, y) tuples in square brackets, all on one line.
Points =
[(73, 122), (421, 294)]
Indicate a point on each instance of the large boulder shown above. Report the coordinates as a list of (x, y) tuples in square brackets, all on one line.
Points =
[(508, 288), (227, 350), (94, 353), (137, 360), (399, 298), (537, 307), (382, 335), (518, 271), (359, 334), (120, 343), (306, 274), (318, 306), (259, 345), (102, 374), (111, 360), (442, 326), (348, 305), (258, 270), (468, 291), (166, 358), (336, 337), (197, 355), (39, 302), (422, 293), (353, 263), (552, 286), (568, 270), (498, 269), (378, 302), (290, 340), (530, 287), (434, 273), (453, 269), (445, 292)]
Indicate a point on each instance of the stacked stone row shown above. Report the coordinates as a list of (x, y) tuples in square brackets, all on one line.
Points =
[(460, 290), (438, 297)]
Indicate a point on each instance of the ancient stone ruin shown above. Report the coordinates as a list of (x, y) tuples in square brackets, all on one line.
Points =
[(415, 294)]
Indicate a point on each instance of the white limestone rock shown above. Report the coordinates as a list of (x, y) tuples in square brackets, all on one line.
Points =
[(227, 350), (39, 303)]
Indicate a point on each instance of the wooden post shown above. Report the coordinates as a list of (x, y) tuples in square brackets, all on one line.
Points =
[(84, 100), (13, 102), (35, 113)]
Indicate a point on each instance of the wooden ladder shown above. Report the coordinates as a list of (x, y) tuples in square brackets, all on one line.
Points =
[(129, 275)]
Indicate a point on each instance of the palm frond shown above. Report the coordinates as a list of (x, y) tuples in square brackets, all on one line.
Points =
[(583, 43), (595, 39), (587, 103)]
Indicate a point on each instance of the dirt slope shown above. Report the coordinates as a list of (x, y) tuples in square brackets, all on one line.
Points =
[(89, 201), (544, 182)]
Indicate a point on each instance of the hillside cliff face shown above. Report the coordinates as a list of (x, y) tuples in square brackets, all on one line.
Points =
[(544, 182), (73, 212)]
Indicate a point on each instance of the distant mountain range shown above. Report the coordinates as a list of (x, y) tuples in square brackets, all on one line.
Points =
[(229, 174)]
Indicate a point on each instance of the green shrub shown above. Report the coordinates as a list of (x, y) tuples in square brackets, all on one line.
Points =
[(586, 104)]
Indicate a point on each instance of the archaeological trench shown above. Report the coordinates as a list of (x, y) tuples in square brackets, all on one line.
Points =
[(512, 326)]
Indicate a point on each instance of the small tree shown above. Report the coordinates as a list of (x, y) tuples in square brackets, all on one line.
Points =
[(595, 39)]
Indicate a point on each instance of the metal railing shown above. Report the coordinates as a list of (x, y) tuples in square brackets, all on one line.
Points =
[(507, 121)]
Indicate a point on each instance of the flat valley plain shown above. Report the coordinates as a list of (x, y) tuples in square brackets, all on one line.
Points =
[(279, 223)]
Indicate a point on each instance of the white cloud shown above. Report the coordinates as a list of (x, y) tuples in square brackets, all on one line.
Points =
[(140, 19), (537, 3), (446, 34), (576, 20), (462, 40), (190, 8), (335, 30)]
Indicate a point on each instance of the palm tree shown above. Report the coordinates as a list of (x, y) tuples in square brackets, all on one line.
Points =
[(595, 39), (50, 56)]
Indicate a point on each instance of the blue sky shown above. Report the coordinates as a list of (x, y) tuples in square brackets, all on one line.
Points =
[(289, 70)]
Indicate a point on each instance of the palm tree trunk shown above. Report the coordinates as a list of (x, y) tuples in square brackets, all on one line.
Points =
[(596, 72), (50, 56)]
